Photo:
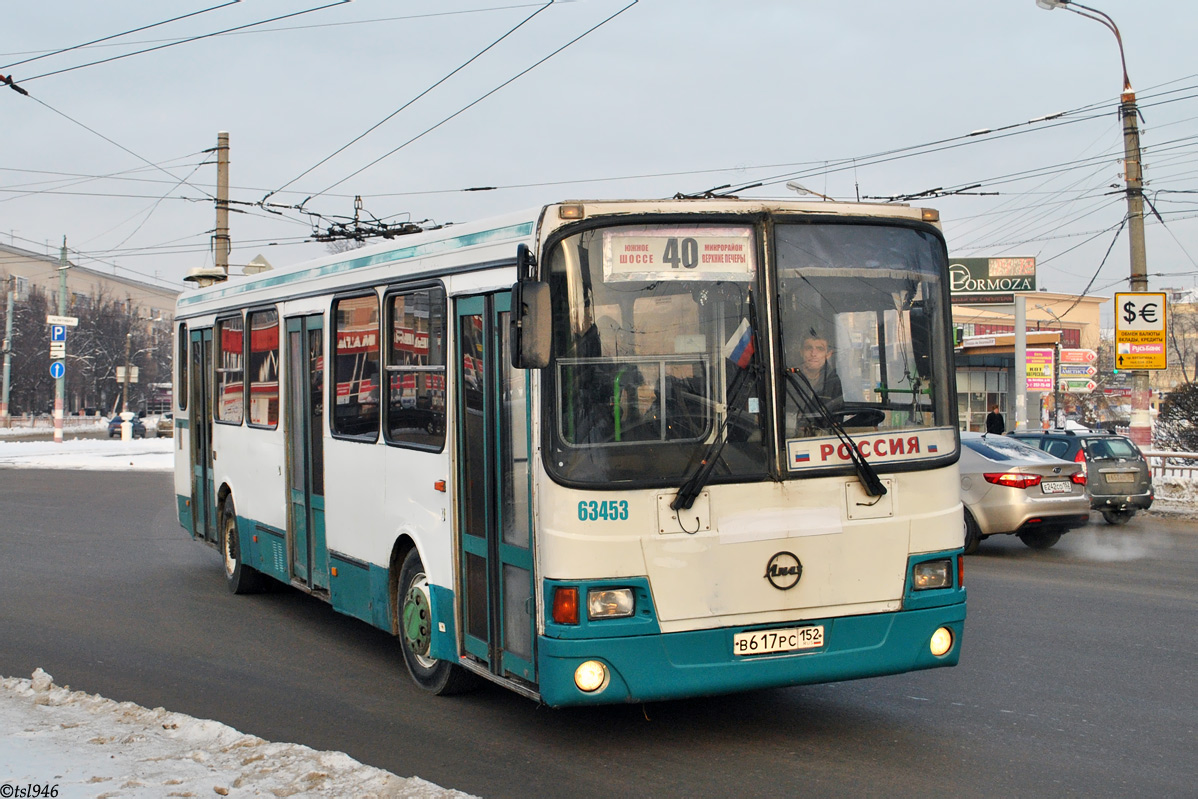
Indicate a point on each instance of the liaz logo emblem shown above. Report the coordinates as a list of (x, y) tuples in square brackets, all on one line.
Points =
[(783, 571)]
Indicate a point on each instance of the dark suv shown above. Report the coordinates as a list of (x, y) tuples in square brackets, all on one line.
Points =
[(1117, 476)]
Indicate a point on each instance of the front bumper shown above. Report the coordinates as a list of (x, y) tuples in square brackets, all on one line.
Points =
[(701, 662)]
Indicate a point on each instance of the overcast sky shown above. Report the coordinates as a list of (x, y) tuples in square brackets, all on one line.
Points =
[(669, 96)]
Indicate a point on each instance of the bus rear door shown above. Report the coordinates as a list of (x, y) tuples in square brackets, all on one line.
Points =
[(305, 452), (203, 495)]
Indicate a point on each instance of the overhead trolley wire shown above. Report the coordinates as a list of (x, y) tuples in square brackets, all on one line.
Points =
[(187, 40), (118, 35), (473, 103), (116, 144), (315, 26), (397, 111)]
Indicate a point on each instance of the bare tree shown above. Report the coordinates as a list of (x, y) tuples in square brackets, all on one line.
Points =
[(1183, 341), (338, 246), (95, 348)]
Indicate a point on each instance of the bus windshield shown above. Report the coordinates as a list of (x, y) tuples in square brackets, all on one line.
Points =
[(660, 351), (643, 317), (861, 315)]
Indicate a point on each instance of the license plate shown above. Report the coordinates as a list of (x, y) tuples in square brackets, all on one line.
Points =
[(1120, 477), (1055, 487), (762, 642)]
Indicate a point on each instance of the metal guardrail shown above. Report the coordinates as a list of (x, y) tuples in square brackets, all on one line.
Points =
[(46, 422), (1172, 464)]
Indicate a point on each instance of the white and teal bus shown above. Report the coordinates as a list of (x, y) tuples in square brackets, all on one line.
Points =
[(608, 451)]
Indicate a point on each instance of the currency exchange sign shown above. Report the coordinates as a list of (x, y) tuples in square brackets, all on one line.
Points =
[(1140, 323)]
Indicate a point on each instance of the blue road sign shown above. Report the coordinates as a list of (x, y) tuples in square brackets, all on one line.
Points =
[(57, 370), (58, 332)]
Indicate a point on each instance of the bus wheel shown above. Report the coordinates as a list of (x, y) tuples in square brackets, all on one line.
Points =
[(415, 616), (973, 534), (240, 579), (1040, 539)]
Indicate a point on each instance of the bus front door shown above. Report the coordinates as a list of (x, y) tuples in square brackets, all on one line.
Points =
[(203, 494), (494, 523), (304, 417)]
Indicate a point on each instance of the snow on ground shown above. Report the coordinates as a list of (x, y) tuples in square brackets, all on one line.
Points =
[(1176, 495), (85, 745), (143, 454)]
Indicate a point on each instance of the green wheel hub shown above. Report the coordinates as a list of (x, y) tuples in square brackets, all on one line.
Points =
[(417, 620)]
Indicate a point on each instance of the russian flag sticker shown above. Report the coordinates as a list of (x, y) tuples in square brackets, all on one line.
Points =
[(739, 349)]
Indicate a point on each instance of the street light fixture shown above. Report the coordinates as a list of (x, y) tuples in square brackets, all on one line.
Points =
[(798, 188), (1141, 420)]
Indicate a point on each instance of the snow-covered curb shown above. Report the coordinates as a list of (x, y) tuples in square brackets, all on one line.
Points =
[(91, 746)]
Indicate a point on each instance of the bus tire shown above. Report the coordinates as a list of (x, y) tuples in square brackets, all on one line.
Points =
[(1040, 539), (973, 534), (414, 618), (239, 578)]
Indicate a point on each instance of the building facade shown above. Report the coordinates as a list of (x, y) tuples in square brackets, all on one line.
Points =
[(123, 322)]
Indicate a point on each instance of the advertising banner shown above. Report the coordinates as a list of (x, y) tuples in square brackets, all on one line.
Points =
[(1039, 370)]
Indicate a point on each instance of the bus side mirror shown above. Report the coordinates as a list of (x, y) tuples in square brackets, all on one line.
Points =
[(530, 334)]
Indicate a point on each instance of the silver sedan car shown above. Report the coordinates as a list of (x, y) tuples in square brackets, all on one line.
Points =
[(1010, 487)]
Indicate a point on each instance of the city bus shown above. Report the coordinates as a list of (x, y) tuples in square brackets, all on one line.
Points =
[(599, 451)]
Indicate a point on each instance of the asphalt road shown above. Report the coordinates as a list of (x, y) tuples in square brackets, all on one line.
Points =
[(1077, 676)]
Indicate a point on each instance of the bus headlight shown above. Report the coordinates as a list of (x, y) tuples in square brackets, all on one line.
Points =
[(932, 574), (942, 641), (609, 603), (590, 676)]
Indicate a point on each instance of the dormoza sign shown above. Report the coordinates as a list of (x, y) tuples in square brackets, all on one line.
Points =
[(990, 280)]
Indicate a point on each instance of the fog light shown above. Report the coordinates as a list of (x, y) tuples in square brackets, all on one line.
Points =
[(942, 641), (609, 603), (591, 676), (932, 574)]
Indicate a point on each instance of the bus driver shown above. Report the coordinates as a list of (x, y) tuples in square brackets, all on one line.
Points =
[(821, 378), (814, 352)]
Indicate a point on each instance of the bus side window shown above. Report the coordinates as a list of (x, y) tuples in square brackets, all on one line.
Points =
[(415, 368), (264, 368), (230, 370), (356, 367)]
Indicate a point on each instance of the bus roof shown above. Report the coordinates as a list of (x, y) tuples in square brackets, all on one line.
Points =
[(494, 240)]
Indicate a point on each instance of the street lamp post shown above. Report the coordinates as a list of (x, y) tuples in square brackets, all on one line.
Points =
[(1141, 420)]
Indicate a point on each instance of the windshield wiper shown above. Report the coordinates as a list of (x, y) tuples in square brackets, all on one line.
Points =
[(691, 489), (865, 471)]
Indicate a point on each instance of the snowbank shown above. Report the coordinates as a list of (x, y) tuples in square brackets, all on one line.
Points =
[(1176, 495), (144, 454), (90, 746)]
